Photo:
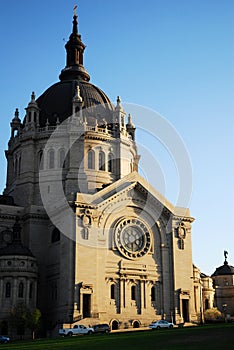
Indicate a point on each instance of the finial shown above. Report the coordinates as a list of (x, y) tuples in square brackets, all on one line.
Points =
[(16, 114), (77, 97), (225, 256), (75, 22), (33, 96), (118, 105), (78, 94), (130, 120)]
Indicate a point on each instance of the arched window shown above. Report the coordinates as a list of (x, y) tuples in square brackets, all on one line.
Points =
[(21, 290), (8, 290), (181, 244), (55, 235), (101, 161), (133, 293), (206, 304), (153, 294), (51, 159), (62, 158), (110, 163), (40, 160), (91, 159), (31, 290), (15, 132), (112, 291)]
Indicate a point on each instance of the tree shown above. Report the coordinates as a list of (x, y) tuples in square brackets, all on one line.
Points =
[(22, 317), (33, 320), (18, 317)]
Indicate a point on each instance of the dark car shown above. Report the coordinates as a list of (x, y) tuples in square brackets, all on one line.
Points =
[(4, 340), (102, 328)]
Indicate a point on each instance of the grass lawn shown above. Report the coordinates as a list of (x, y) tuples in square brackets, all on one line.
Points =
[(205, 337)]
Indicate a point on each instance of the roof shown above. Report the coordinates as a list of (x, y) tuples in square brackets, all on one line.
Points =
[(56, 102), (15, 249), (132, 180), (6, 200), (225, 269)]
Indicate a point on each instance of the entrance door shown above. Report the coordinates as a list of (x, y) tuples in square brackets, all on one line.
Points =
[(185, 309), (86, 305)]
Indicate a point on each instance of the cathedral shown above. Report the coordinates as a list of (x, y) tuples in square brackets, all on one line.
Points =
[(83, 237)]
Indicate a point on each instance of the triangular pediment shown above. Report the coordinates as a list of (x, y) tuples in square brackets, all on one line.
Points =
[(137, 187)]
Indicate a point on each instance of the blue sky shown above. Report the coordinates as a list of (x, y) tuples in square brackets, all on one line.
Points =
[(173, 57)]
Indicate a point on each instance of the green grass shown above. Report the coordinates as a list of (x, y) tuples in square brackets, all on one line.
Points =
[(193, 338)]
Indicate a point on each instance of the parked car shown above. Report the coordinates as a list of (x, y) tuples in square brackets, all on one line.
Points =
[(102, 328), (4, 340), (76, 330), (161, 324)]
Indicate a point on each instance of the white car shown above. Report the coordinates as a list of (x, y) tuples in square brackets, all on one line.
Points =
[(78, 329), (161, 324)]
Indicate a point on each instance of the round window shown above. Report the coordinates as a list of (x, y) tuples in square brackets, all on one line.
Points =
[(132, 238)]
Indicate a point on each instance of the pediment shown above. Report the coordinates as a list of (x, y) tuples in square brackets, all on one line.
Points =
[(133, 187)]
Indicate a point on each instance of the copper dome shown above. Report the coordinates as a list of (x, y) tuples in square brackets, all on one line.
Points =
[(56, 102)]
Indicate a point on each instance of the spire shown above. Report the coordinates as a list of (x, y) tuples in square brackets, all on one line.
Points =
[(15, 124), (16, 117), (118, 104), (74, 69), (33, 102)]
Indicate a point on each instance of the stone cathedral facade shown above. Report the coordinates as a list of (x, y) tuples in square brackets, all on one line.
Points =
[(83, 236)]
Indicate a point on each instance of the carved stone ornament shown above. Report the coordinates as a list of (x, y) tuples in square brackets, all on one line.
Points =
[(86, 220), (7, 236), (182, 231)]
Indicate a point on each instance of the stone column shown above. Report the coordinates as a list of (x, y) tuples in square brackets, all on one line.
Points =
[(14, 292), (27, 287), (142, 293), (122, 295)]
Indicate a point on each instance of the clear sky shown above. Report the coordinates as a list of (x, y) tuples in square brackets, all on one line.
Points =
[(175, 57)]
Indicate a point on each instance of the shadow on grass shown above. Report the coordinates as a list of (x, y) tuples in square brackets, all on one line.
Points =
[(195, 338)]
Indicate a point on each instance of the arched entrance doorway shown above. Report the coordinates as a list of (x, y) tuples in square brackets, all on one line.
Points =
[(136, 324), (114, 325)]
